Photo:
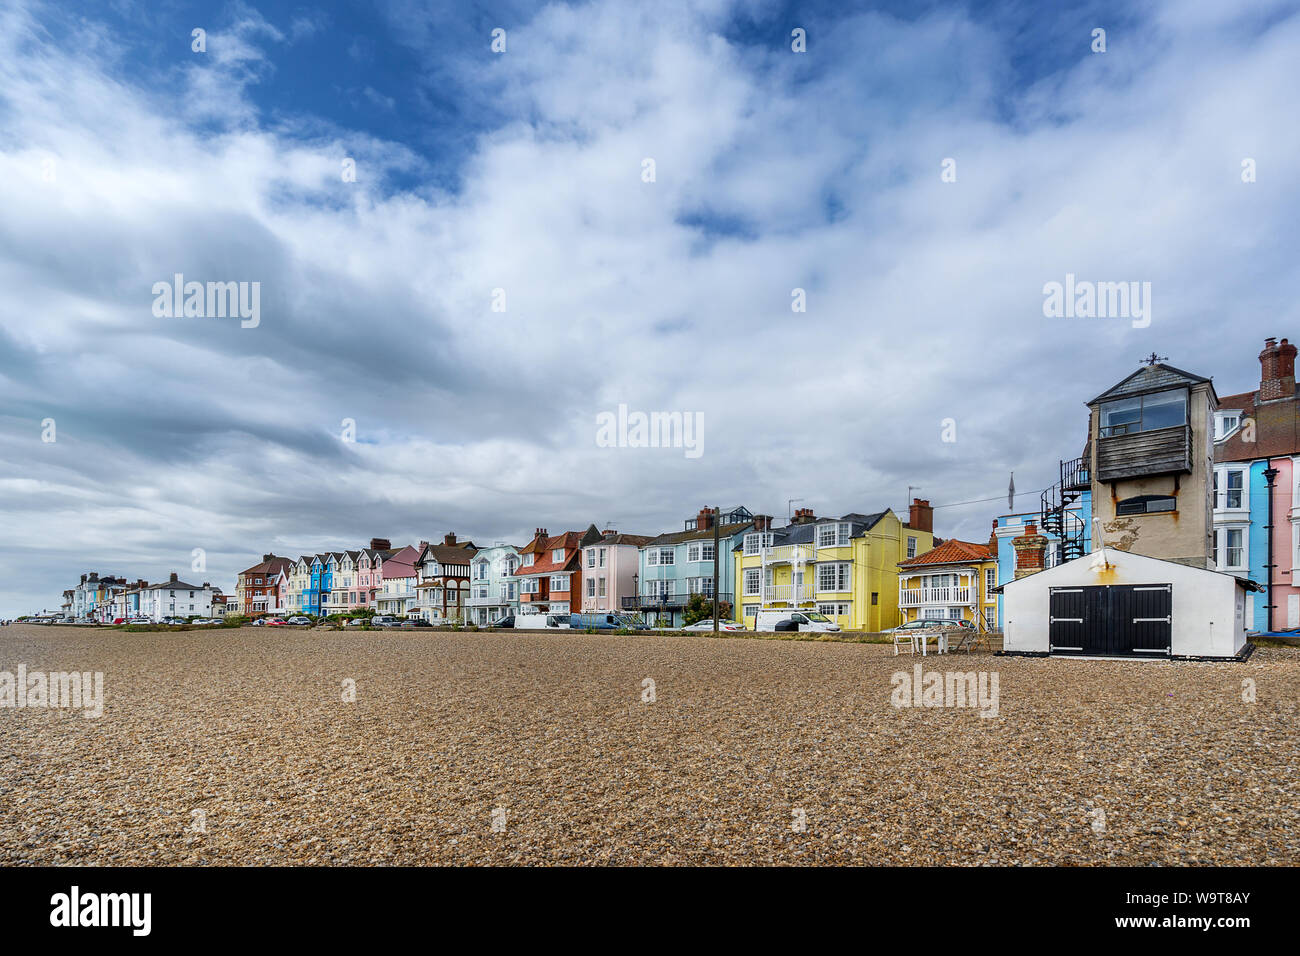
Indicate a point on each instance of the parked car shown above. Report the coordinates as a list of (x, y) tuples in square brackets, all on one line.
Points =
[(605, 622), (174, 621), (384, 620), (416, 622), (791, 620), (276, 622), (257, 622), (299, 619), (507, 620), (707, 625)]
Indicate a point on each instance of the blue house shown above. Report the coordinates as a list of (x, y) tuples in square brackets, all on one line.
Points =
[(675, 565)]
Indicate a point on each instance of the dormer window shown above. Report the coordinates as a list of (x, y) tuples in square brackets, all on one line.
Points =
[(557, 555), (1225, 423), (832, 535), (1144, 413), (528, 559)]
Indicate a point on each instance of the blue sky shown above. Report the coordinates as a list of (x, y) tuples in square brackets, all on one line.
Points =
[(125, 157)]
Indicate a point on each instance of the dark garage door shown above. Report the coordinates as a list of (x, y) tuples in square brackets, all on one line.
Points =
[(1133, 620)]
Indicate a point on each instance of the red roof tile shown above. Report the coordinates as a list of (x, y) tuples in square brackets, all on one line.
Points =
[(951, 551)]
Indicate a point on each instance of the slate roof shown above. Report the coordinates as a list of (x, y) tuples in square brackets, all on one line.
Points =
[(677, 537)]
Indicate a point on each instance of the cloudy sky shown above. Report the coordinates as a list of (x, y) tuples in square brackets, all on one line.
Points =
[(127, 157)]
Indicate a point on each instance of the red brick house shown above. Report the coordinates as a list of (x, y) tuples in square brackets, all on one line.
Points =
[(550, 573)]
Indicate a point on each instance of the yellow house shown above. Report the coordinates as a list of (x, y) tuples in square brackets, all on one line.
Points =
[(845, 568), (952, 582)]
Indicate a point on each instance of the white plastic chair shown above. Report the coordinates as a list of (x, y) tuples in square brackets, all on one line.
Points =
[(902, 637)]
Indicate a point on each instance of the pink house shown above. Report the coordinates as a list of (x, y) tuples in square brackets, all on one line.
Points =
[(370, 570), (610, 562)]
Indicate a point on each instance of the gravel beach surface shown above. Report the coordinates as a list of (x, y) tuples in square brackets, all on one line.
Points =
[(237, 747)]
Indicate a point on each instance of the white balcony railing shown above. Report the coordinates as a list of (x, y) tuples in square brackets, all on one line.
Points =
[(789, 593), (914, 597), (790, 554)]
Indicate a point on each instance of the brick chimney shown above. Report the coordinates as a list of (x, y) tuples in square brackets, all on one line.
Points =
[(267, 557), (704, 520), (1276, 370), (449, 538), (993, 539), (762, 522), (174, 578), (803, 516), (423, 545), (541, 533), (1030, 547), (380, 544), (920, 516), (608, 533)]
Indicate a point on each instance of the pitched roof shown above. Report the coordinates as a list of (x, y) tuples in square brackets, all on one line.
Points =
[(446, 554), (542, 548), (1151, 378), (596, 537), (269, 566), (401, 563), (951, 551), (1277, 428), (677, 537)]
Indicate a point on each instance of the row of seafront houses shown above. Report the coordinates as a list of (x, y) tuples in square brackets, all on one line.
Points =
[(1169, 471)]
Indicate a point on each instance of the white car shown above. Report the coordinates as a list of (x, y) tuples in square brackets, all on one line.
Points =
[(707, 625), (791, 620)]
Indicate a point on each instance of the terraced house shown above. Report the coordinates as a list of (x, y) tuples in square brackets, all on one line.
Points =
[(254, 588), (443, 587), (493, 588), (400, 577), (675, 565), (610, 561), (845, 568), (951, 582), (550, 573)]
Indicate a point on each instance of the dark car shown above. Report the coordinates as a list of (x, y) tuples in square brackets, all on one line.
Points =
[(507, 621), (416, 622)]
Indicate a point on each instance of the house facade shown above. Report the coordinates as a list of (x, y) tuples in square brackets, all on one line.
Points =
[(1255, 485), (953, 581), (845, 568), (397, 596), (443, 582), (254, 588), (1151, 458), (176, 598), (550, 573), (675, 565), (493, 587), (610, 564)]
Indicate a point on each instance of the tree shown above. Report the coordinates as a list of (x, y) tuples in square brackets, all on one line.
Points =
[(698, 607)]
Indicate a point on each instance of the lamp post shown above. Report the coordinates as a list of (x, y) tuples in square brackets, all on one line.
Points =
[(717, 515)]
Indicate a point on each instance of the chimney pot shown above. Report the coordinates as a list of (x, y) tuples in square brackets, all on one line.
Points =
[(449, 538)]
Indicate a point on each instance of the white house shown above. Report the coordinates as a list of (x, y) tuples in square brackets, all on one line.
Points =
[(1114, 603), (175, 598), (493, 589)]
